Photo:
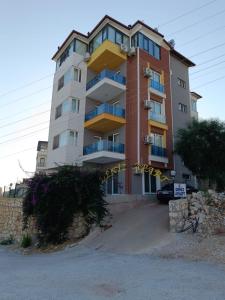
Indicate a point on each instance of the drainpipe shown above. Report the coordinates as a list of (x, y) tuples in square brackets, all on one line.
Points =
[(138, 106)]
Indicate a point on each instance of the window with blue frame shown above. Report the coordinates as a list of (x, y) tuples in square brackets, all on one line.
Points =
[(108, 33), (140, 40)]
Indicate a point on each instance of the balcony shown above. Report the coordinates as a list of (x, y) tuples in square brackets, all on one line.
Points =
[(104, 151), (157, 120), (157, 117), (106, 85), (105, 118), (158, 154), (107, 55), (157, 88)]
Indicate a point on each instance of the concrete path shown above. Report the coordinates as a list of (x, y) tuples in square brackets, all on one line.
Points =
[(133, 231), (85, 274)]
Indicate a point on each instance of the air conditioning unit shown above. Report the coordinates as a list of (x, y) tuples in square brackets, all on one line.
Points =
[(132, 51), (87, 56), (124, 48), (147, 104), (147, 72), (147, 140)]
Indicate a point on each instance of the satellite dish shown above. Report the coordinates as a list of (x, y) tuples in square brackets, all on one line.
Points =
[(172, 43)]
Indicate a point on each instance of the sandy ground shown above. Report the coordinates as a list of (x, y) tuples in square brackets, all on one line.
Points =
[(82, 273)]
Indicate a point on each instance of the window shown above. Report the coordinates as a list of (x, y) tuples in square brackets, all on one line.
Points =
[(55, 142), (134, 40), (113, 184), (194, 105), (42, 162), (155, 76), (181, 83), (77, 75), (104, 34), (68, 137), (60, 83), (108, 33), (182, 107), (157, 139), (156, 107), (80, 47), (145, 44), (140, 40), (63, 139), (119, 38), (157, 51), (111, 34), (151, 47), (75, 105), (149, 183), (68, 105), (58, 111), (67, 77), (75, 46), (186, 176), (71, 74)]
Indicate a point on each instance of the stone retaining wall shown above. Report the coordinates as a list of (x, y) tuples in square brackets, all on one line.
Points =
[(178, 210), (208, 208), (11, 222)]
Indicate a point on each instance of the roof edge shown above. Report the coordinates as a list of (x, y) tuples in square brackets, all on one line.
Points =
[(182, 58)]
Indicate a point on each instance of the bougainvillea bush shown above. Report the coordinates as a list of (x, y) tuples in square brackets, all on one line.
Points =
[(54, 199)]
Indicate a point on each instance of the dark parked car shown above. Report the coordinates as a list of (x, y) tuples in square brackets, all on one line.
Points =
[(167, 192)]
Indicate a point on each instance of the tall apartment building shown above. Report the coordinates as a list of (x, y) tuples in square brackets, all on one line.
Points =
[(116, 96)]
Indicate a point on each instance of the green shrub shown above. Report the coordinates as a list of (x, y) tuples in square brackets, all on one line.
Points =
[(54, 199), (26, 241)]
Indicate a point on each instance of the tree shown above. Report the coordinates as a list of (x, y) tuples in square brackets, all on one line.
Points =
[(202, 148)]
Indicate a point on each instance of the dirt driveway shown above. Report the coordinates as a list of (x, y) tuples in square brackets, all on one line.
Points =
[(133, 231)]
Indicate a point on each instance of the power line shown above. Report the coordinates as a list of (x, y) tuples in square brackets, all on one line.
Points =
[(26, 85), (209, 60), (25, 135), (198, 22), (38, 114), (22, 111), (209, 82), (202, 36), (207, 50), (22, 130), (207, 73), (209, 67), (187, 13), (24, 150), (26, 96)]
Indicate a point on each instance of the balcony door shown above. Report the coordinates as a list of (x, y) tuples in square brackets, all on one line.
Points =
[(99, 144), (157, 140), (113, 141)]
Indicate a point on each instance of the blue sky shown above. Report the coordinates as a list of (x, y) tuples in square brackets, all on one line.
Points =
[(30, 32)]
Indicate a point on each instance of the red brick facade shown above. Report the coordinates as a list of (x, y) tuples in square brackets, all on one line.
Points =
[(131, 151)]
